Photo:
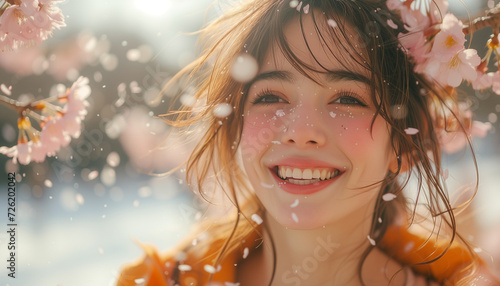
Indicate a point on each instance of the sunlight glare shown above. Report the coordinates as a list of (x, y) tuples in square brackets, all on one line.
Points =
[(154, 7)]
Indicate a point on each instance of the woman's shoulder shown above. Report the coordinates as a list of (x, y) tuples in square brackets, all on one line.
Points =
[(447, 261), (151, 269), (179, 266)]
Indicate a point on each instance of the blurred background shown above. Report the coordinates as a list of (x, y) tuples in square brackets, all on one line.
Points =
[(81, 213)]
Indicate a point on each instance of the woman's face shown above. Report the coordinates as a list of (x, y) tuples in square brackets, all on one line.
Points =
[(307, 148)]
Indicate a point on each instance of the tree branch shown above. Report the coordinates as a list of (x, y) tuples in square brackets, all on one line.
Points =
[(492, 19), (9, 102)]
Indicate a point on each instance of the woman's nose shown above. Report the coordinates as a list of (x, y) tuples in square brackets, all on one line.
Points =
[(304, 130)]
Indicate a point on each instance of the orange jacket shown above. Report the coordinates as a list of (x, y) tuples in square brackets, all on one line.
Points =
[(409, 247)]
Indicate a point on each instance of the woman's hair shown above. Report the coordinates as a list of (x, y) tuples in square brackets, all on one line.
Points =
[(401, 96)]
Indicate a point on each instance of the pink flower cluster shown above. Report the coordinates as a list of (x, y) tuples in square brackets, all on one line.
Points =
[(23, 22), (436, 44), (59, 125), (454, 140)]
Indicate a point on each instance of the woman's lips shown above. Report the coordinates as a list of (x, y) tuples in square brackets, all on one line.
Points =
[(304, 186)]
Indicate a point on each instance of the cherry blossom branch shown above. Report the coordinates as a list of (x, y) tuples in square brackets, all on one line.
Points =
[(492, 19), (14, 104), (57, 124)]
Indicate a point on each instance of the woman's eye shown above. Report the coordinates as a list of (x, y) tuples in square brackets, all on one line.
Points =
[(349, 100), (268, 99)]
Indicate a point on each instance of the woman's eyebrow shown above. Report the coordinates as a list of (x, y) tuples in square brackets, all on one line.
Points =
[(337, 75), (274, 75), (331, 76)]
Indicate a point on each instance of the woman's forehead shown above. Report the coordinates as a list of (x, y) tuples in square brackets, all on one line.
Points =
[(312, 41)]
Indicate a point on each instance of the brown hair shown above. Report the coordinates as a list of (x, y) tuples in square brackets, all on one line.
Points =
[(403, 98)]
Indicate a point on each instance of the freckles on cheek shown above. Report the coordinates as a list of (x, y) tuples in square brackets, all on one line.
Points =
[(259, 131), (355, 132)]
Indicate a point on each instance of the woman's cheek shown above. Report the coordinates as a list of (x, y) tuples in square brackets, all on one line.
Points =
[(354, 132), (259, 131)]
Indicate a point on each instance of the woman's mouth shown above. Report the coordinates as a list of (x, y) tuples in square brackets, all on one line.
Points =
[(305, 176)]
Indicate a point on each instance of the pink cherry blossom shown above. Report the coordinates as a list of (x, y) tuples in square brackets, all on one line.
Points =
[(452, 142), (416, 45), (53, 136), (414, 19), (38, 152), (60, 124), (30, 22), (438, 8), (22, 62), (146, 143), (48, 18), (496, 83), (461, 66), (483, 80), (449, 40), (29, 7), (20, 153)]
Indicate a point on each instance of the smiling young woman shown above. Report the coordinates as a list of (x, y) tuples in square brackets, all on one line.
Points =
[(313, 157)]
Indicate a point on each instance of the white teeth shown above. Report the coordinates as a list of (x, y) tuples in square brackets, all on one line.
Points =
[(316, 174), (323, 174), (297, 173), (306, 174), (282, 172)]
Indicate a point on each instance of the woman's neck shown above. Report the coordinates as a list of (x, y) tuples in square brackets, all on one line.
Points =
[(329, 255), (313, 257)]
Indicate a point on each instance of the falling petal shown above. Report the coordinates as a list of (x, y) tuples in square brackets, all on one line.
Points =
[(245, 253), (113, 159), (411, 131), (299, 6), (209, 269), (222, 110), (145, 192), (184, 267), (257, 219), (332, 114), (306, 9), (188, 99), (108, 176), (280, 113), (6, 90), (266, 185), (389, 197), (295, 217), (79, 199), (244, 68), (332, 23), (93, 175), (409, 246), (140, 281), (391, 24), (133, 55), (294, 3), (276, 142), (372, 241), (295, 203), (48, 183)]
